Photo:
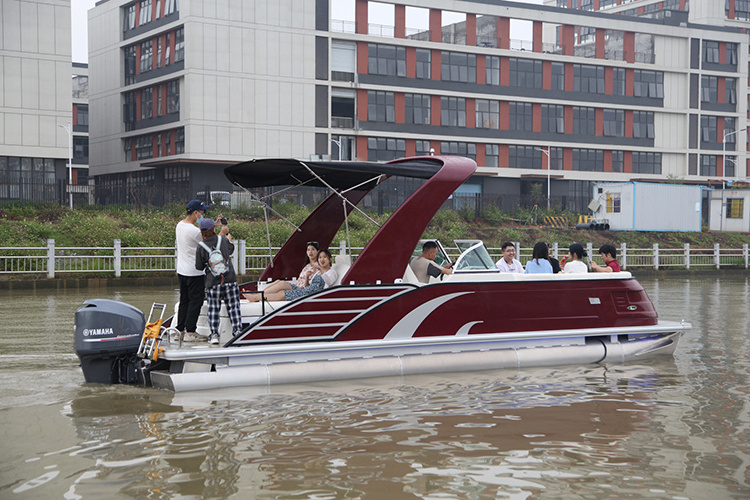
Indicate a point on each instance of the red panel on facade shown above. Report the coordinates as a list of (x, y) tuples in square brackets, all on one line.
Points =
[(537, 41), (607, 161), (362, 53), (411, 62), (481, 69), (503, 32), (399, 21), (609, 80), (569, 78), (628, 45), (600, 39), (436, 65), (599, 121), (546, 75), (360, 17), (471, 30), (436, 29), (629, 123), (435, 111), (471, 113), (400, 105), (362, 105), (536, 117)]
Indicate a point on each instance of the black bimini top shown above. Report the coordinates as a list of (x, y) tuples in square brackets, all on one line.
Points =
[(337, 174)]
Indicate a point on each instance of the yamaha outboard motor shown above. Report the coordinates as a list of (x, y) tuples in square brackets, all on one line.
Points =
[(108, 334)]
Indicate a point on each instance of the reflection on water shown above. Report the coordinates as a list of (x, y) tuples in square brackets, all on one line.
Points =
[(672, 428)]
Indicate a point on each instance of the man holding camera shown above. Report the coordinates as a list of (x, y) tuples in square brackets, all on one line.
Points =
[(191, 280)]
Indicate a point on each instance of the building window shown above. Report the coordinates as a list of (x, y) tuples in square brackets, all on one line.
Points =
[(179, 44), (553, 118), (708, 129), (556, 162), (735, 208), (618, 81), (128, 110), (179, 141), (424, 64), (709, 89), (147, 56), (614, 123), (643, 124), (158, 101), (731, 161), (422, 148), (741, 9), (649, 163), (144, 147), (732, 54), (524, 157), (587, 4), (459, 67), (453, 112), (417, 109), (731, 90), (453, 148), (129, 23), (710, 52), (80, 147), (589, 79), (558, 76), (167, 50), (487, 114), (648, 84), (167, 143), (130, 58), (82, 115), (618, 161), (381, 106), (383, 149), (525, 73), (588, 160), (613, 203), (584, 120), (158, 52), (147, 103), (729, 129), (493, 70), (520, 115), (170, 6), (491, 155), (386, 60), (145, 13), (173, 97)]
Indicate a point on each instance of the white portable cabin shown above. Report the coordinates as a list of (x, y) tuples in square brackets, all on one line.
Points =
[(729, 210), (646, 206)]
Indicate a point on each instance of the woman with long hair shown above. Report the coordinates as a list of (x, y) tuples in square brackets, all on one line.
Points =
[(305, 276), (539, 263), (574, 262), (325, 277)]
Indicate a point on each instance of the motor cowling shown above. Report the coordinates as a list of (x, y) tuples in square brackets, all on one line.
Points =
[(107, 336)]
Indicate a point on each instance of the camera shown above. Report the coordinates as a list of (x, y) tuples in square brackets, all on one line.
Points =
[(223, 220)]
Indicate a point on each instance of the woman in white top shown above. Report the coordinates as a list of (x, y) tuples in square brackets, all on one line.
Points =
[(574, 262), (305, 276), (325, 277)]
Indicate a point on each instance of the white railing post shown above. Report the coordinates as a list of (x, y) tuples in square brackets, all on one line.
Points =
[(50, 258), (590, 251), (656, 256), (745, 253), (687, 255), (240, 255), (118, 258), (555, 250), (623, 256), (717, 256)]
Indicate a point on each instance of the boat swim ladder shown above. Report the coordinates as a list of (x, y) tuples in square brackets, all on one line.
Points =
[(149, 347)]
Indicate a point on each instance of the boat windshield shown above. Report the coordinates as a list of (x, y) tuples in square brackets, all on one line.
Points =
[(474, 256)]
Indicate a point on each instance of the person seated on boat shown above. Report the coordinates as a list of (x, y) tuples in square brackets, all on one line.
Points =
[(324, 277), (609, 256), (425, 266), (539, 263), (509, 263), (573, 262), (305, 276), (221, 280)]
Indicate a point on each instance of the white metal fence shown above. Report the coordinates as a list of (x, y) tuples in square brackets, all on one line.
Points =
[(118, 260)]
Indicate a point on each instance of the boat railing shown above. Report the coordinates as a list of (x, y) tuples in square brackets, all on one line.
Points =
[(119, 260)]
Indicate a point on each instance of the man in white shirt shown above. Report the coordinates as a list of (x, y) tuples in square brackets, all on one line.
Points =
[(509, 264), (192, 285), (424, 266)]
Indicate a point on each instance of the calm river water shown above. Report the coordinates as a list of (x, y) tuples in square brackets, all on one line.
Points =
[(675, 428)]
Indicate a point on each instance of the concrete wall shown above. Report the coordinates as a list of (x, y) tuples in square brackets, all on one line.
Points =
[(35, 72)]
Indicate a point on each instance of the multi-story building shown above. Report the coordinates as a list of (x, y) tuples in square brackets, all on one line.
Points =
[(80, 156), (35, 100), (179, 90)]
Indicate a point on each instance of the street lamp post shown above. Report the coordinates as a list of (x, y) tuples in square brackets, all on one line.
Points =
[(69, 129), (338, 143), (548, 172), (724, 148)]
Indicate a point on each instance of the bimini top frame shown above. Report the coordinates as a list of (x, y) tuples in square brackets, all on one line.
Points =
[(386, 255)]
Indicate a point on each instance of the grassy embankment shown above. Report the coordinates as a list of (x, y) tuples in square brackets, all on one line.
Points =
[(32, 225)]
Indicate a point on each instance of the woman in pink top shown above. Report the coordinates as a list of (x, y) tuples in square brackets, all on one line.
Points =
[(305, 276)]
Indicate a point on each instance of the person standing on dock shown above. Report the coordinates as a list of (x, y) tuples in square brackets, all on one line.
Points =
[(192, 280)]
